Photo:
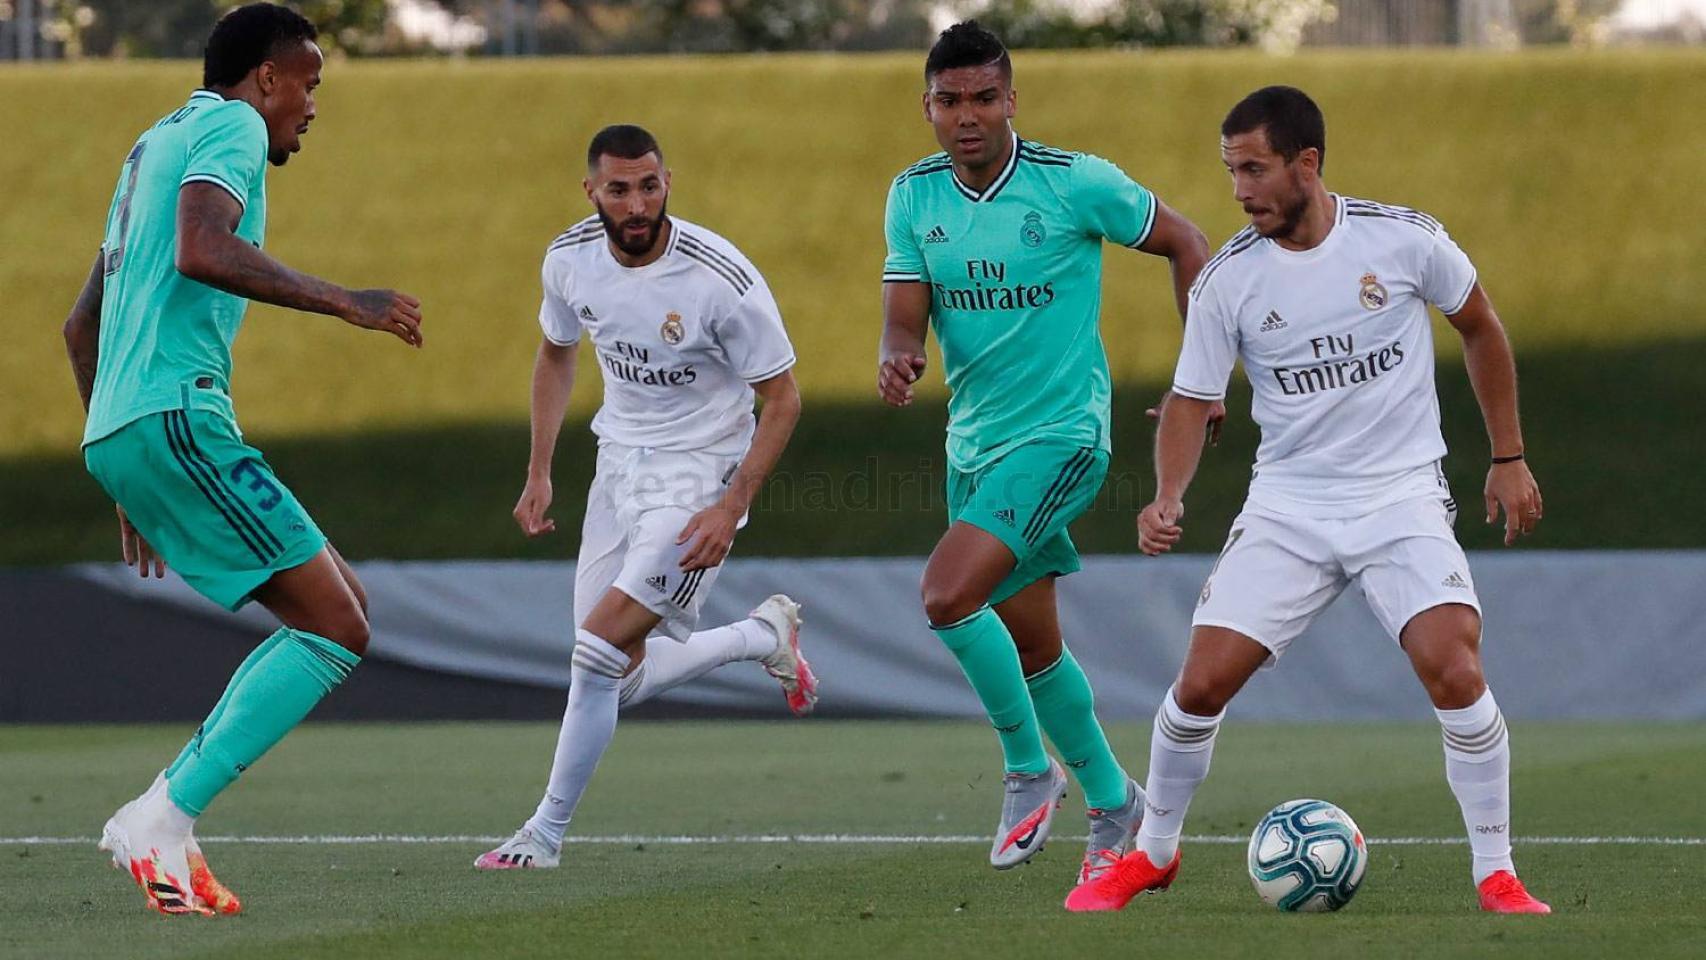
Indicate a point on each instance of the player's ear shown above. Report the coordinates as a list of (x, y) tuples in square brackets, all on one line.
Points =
[(925, 103), (586, 184), (266, 77), (1012, 103)]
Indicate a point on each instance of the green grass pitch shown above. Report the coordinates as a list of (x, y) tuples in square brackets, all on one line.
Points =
[(648, 897)]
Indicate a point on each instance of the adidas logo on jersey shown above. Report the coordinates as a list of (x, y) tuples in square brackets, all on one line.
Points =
[(656, 583), (936, 235), (587, 314), (1455, 580), (1005, 516), (1272, 322)]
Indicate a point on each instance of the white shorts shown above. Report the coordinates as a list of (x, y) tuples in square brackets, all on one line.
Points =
[(1277, 573), (639, 501)]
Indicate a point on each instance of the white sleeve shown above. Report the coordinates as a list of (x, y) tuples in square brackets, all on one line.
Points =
[(753, 338), (1447, 275), (556, 317), (1209, 351)]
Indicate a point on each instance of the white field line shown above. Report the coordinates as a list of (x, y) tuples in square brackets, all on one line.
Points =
[(829, 839)]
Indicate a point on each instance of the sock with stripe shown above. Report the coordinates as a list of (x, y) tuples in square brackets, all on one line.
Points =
[(1066, 707), (589, 723), (1179, 753), (1478, 767), (986, 653), (255, 656), (274, 695), (669, 664)]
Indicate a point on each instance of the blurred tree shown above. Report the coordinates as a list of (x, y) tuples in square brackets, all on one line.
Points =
[(179, 28), (1563, 21), (1274, 24)]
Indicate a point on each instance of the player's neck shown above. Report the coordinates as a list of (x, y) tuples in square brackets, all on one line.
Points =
[(984, 176), (245, 91), (650, 256), (1317, 222)]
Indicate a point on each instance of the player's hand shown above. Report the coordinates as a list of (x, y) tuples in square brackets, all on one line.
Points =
[(708, 536), (1216, 417), (1158, 526), (1511, 486), (897, 371), (387, 311), (137, 552), (530, 510)]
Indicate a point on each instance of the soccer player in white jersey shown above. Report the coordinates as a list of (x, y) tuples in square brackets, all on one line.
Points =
[(686, 332), (1325, 299)]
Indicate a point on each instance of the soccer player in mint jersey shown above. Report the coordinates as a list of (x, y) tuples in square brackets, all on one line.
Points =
[(997, 242), (150, 344), (1325, 298)]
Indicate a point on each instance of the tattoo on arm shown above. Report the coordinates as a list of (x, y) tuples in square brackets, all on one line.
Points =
[(212, 253)]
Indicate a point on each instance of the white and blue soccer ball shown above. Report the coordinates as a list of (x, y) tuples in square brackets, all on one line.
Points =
[(1307, 856)]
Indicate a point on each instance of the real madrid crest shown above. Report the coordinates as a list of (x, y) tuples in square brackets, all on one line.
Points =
[(1373, 295), (672, 330), (1031, 232)]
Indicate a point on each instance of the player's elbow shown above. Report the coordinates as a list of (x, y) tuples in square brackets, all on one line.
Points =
[(196, 256), (79, 334), (192, 262)]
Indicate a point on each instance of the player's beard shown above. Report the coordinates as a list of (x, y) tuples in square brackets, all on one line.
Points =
[(613, 230), (1292, 209)]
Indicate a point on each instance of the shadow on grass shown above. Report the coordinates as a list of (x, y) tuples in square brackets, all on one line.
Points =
[(1607, 433)]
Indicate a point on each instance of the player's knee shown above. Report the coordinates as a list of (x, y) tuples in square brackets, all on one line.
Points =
[(349, 629), (945, 604), (1201, 696), (1457, 683)]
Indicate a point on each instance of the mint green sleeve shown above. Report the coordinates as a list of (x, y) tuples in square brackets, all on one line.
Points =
[(905, 260), (229, 150), (1110, 204)]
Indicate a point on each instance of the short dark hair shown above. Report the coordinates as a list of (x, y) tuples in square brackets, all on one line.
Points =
[(624, 141), (1292, 120), (967, 44), (249, 36)]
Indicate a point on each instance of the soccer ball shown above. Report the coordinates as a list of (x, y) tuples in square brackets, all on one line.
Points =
[(1307, 856)]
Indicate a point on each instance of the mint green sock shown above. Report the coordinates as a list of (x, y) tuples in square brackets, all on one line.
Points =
[(271, 698), (1067, 709), (243, 669), (986, 653)]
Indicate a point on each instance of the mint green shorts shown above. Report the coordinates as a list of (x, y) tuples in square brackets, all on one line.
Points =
[(1026, 500), (205, 501)]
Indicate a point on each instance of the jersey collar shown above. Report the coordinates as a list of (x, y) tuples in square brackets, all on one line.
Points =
[(205, 94), (988, 193)]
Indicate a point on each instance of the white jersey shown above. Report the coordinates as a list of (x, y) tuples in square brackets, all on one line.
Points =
[(679, 341), (1338, 347)]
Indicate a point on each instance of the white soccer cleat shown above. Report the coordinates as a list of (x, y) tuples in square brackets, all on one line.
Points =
[(799, 684), (524, 851), (145, 844)]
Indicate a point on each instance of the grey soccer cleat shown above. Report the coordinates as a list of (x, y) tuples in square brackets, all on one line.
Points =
[(1112, 833), (1027, 813)]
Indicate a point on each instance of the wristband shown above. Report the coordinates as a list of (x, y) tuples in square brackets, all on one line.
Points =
[(1510, 459)]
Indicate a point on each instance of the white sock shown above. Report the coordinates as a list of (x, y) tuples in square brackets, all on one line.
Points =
[(588, 724), (156, 805), (1478, 767), (670, 664), (1179, 754)]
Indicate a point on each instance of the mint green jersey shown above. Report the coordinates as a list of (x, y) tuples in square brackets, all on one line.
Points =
[(1015, 272), (164, 335)]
